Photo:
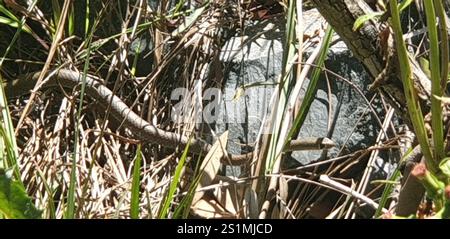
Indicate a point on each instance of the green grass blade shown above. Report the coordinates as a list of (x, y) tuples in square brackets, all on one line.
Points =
[(174, 184), (134, 207), (404, 4), (284, 87), (436, 89), (183, 209), (87, 20), (395, 177), (11, 20), (16, 35), (8, 152), (364, 18), (70, 213), (440, 11), (71, 22), (8, 138), (56, 10), (191, 19), (312, 86), (51, 203), (414, 110), (179, 5)]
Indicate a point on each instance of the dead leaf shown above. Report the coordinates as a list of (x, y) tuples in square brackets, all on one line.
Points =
[(276, 212), (209, 208), (231, 198), (211, 165)]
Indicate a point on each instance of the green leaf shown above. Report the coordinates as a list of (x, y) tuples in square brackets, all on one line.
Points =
[(364, 18), (14, 201)]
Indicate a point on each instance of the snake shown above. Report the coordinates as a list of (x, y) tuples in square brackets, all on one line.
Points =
[(140, 128)]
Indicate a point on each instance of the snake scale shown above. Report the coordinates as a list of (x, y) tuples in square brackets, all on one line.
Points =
[(142, 130)]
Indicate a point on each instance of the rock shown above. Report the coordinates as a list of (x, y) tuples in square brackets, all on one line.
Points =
[(351, 127), (257, 61)]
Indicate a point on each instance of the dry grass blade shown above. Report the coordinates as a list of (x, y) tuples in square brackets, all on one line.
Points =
[(54, 47), (344, 189)]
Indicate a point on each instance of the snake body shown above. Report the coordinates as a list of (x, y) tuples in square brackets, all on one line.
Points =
[(142, 129)]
